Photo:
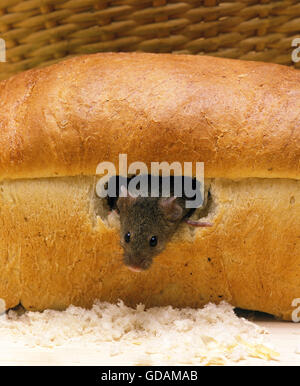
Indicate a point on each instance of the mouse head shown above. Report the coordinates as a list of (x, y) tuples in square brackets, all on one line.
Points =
[(147, 224)]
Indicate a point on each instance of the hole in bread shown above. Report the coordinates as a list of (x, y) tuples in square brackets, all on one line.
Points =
[(292, 200), (116, 180), (115, 183), (106, 208)]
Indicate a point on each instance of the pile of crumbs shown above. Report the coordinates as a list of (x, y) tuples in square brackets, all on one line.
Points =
[(156, 336)]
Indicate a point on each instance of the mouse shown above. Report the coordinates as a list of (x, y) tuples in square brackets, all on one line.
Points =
[(147, 224)]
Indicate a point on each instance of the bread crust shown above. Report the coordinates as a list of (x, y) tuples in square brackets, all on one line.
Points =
[(240, 118)]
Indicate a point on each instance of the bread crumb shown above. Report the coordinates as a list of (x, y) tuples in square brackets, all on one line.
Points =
[(158, 335)]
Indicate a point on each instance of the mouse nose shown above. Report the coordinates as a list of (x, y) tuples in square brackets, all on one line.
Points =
[(135, 268), (136, 263)]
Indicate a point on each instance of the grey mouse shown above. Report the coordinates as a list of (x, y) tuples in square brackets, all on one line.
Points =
[(147, 225)]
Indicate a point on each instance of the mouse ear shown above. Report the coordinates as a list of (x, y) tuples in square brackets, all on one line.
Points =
[(171, 209)]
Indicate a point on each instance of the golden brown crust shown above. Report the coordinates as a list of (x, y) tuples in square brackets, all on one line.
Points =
[(241, 118)]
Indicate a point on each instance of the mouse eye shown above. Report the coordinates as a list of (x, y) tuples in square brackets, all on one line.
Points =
[(153, 241), (127, 237)]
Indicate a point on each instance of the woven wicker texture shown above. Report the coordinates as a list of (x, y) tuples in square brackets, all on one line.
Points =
[(40, 32)]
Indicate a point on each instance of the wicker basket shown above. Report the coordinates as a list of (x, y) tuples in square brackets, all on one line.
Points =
[(40, 32)]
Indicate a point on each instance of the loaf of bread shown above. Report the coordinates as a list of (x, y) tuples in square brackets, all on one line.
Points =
[(59, 244)]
